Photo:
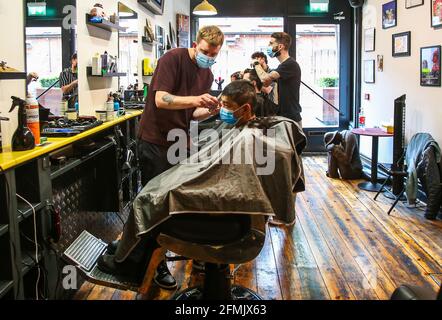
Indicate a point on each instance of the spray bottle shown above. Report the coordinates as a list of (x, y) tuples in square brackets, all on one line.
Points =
[(23, 139), (33, 119)]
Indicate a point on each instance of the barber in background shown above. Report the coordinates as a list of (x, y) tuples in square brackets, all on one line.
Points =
[(69, 82), (287, 75), (178, 94), (272, 90)]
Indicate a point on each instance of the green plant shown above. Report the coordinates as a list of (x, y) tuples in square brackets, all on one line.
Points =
[(329, 82), (47, 82)]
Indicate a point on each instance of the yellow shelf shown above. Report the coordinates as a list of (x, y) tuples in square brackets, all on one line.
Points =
[(9, 159)]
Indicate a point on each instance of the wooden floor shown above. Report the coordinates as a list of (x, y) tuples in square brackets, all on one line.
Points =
[(343, 246)]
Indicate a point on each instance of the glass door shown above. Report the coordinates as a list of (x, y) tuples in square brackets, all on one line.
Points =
[(317, 51), (324, 94)]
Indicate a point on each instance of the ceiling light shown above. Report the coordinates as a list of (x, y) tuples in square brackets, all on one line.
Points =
[(205, 9)]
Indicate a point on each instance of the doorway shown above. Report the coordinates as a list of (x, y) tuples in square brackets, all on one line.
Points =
[(323, 51)]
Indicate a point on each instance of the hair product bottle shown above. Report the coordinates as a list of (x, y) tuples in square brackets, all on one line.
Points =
[(32, 117)]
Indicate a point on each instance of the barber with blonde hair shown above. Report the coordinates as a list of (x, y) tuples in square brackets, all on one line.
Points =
[(179, 93)]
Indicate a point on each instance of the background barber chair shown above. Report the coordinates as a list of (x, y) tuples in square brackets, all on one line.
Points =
[(406, 292), (218, 241)]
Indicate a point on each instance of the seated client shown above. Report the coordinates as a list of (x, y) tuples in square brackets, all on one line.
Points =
[(251, 166)]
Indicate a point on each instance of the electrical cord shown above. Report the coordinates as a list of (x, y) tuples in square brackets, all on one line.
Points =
[(36, 245), (57, 262)]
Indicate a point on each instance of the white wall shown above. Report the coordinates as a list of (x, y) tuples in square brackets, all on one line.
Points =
[(93, 91), (12, 51), (401, 76)]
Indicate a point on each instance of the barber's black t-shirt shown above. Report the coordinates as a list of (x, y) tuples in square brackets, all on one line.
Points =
[(288, 86)]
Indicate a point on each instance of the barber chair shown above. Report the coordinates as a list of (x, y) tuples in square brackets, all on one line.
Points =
[(218, 241), (406, 292)]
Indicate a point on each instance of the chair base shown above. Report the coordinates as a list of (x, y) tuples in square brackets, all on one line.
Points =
[(237, 292), (369, 186)]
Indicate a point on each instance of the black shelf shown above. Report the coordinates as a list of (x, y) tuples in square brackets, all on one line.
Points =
[(5, 286), (13, 75), (105, 25), (24, 211), (108, 75), (3, 229), (72, 163)]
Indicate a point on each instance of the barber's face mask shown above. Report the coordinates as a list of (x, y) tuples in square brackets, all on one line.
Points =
[(228, 116), (204, 61), (272, 53)]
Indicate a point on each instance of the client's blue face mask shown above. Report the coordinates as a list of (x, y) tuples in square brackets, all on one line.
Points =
[(204, 61), (228, 116)]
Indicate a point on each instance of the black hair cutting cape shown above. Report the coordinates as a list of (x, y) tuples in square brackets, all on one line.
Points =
[(210, 182)]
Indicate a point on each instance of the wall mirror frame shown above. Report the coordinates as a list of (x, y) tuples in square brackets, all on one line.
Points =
[(50, 42)]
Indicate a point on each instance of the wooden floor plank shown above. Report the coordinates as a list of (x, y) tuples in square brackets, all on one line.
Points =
[(395, 252), (84, 291), (351, 220), (124, 295), (335, 281), (267, 274), (101, 293), (425, 247), (358, 282), (300, 275), (377, 277), (246, 276)]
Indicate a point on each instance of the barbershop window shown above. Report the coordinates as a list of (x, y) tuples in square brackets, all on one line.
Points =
[(44, 57), (244, 36)]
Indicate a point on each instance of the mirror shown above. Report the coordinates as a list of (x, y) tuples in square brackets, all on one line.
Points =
[(51, 41), (128, 46)]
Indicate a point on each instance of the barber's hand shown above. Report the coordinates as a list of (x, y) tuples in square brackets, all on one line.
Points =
[(206, 101), (215, 110), (253, 63)]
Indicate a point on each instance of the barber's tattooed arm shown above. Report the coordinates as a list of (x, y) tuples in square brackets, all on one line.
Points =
[(169, 99), (266, 78), (165, 100)]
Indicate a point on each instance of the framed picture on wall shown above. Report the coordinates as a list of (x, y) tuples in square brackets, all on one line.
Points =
[(161, 46), (430, 66), (369, 71), (369, 39), (380, 61), (436, 13), (413, 3), (402, 44), (389, 14)]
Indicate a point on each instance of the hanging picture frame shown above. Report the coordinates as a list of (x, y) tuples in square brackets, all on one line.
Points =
[(436, 13), (183, 30), (430, 66), (369, 71), (380, 62), (160, 47), (369, 39), (413, 3), (389, 15), (401, 44)]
